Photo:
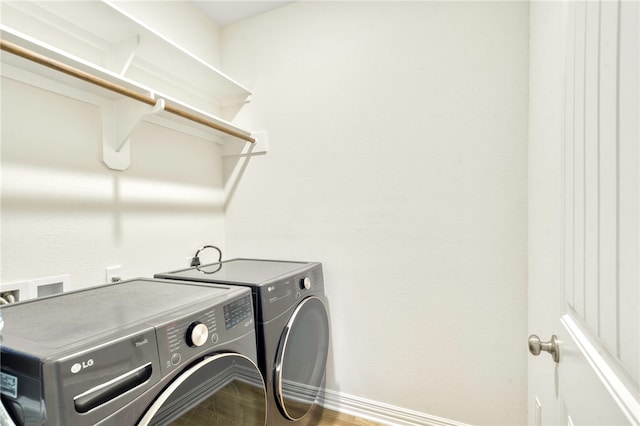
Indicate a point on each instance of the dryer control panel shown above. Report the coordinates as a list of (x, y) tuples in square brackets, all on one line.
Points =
[(280, 295)]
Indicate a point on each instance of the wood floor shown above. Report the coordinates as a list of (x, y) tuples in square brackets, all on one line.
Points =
[(331, 418), (241, 404)]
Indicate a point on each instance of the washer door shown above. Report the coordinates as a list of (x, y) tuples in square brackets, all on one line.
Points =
[(225, 388), (302, 358)]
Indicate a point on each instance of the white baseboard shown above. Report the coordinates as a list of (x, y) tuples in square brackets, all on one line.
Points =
[(380, 412)]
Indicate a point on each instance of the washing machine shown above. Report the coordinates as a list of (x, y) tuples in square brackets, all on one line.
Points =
[(292, 326), (139, 352)]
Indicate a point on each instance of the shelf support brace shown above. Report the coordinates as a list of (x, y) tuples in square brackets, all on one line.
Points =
[(259, 147), (120, 55), (119, 119)]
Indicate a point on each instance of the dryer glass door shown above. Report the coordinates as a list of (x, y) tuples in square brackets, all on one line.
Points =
[(302, 358), (225, 388)]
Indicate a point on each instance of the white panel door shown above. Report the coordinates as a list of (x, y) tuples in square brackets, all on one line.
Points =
[(597, 321)]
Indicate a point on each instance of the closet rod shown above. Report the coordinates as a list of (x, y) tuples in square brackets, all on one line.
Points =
[(64, 68)]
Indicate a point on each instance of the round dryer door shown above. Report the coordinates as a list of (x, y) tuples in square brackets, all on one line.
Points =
[(223, 389), (302, 358)]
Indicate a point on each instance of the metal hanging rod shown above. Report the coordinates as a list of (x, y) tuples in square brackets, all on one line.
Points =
[(82, 75)]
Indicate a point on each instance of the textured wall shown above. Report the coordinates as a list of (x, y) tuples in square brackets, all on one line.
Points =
[(398, 158), (65, 212)]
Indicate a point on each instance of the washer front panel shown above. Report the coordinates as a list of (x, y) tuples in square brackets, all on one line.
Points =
[(225, 388)]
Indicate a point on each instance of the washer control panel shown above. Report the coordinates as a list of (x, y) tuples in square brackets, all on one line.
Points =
[(237, 312), (188, 337)]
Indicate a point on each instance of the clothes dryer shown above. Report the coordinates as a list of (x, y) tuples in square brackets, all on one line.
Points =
[(292, 326), (139, 352)]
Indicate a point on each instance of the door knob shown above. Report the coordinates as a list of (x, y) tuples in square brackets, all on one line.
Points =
[(536, 346)]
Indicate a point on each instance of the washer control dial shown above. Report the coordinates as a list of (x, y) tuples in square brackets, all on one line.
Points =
[(305, 283), (197, 334)]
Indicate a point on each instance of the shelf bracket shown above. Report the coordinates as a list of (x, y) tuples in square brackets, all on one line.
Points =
[(260, 147), (119, 119), (120, 55)]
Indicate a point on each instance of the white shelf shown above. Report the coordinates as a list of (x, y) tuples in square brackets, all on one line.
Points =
[(37, 46), (100, 39), (101, 33)]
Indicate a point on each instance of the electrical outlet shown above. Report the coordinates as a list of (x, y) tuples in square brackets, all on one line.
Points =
[(113, 274)]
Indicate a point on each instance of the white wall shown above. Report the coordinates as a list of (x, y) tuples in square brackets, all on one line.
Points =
[(398, 158), (65, 212), (546, 68)]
